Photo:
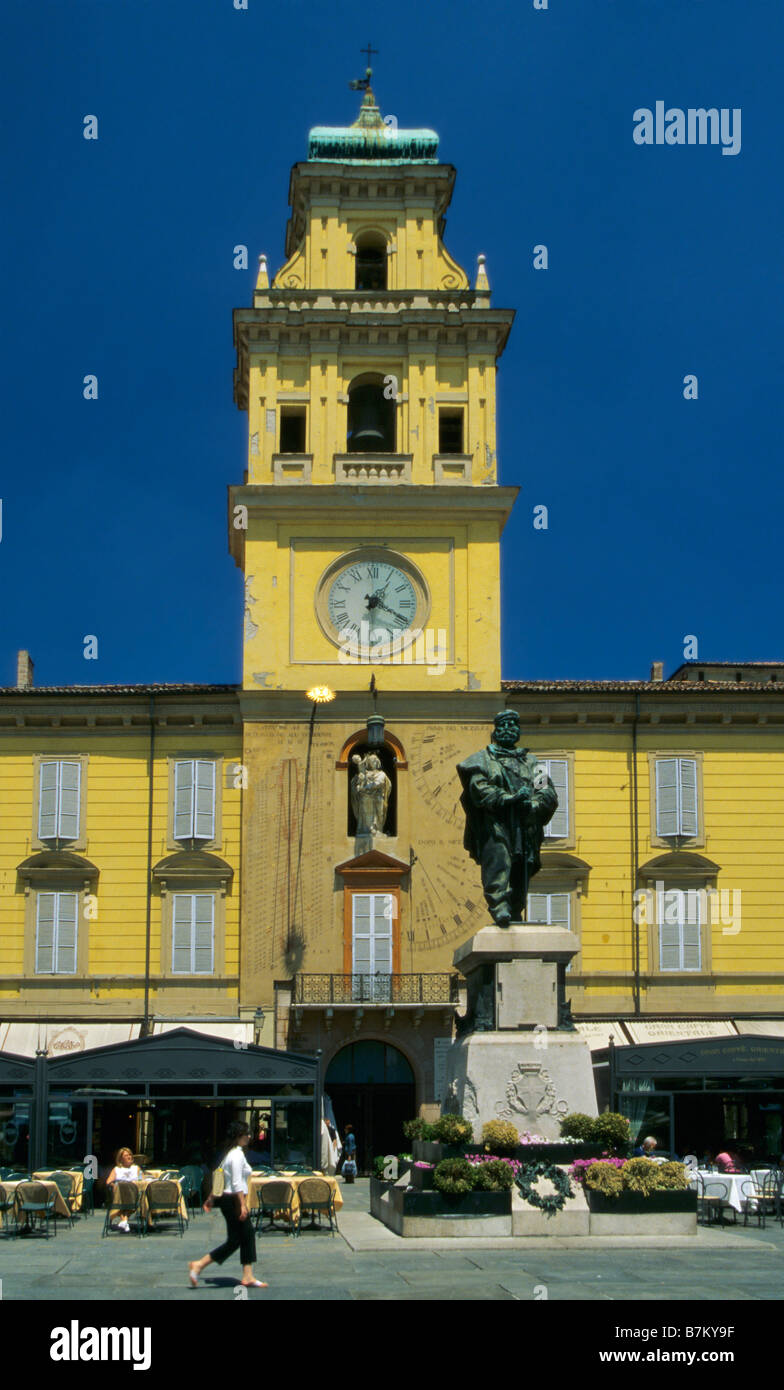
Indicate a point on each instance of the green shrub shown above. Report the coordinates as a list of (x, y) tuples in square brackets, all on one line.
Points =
[(672, 1177), (577, 1126), (454, 1175), (640, 1175), (611, 1129), (493, 1176), (453, 1129), (498, 1135), (418, 1129), (604, 1178)]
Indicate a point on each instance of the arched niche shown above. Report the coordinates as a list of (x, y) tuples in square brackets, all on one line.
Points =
[(371, 426), (393, 761), (371, 261)]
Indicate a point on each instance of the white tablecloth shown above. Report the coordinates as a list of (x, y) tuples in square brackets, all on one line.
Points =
[(732, 1188)]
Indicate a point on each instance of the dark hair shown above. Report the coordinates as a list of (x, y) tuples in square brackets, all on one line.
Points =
[(235, 1131)]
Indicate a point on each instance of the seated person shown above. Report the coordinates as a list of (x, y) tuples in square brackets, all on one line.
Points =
[(647, 1149), (727, 1162), (124, 1170)]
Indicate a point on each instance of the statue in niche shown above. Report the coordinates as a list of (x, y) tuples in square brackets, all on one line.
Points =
[(508, 800), (370, 789)]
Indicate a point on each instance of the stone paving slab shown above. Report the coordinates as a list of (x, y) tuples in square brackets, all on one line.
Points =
[(362, 1265)]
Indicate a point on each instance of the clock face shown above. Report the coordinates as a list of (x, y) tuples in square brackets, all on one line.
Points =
[(372, 599)]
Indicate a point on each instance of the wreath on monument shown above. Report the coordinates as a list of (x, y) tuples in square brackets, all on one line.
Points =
[(553, 1201)]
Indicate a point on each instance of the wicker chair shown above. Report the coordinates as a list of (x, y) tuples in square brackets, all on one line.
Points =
[(36, 1203), (163, 1200), (276, 1200), (126, 1201), (317, 1196), (66, 1184), (6, 1205)]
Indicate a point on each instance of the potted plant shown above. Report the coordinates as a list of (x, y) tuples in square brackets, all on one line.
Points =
[(638, 1187)]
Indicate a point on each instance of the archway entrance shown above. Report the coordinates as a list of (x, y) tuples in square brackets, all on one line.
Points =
[(371, 1086)]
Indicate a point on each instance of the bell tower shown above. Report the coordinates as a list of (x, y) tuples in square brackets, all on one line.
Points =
[(369, 519)]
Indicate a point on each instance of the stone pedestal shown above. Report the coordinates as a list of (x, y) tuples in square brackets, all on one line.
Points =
[(518, 1056)]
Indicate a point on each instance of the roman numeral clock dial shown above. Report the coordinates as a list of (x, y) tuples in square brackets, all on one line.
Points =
[(372, 598), (448, 904)]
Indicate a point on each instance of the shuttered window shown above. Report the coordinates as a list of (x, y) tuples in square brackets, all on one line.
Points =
[(194, 800), (557, 770), (552, 908), (193, 933), (676, 797), (373, 916), (680, 942), (59, 800), (55, 933)]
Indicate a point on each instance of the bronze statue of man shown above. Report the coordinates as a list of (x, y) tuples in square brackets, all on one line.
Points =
[(508, 800)]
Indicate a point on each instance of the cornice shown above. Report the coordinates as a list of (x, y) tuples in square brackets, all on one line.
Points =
[(334, 500)]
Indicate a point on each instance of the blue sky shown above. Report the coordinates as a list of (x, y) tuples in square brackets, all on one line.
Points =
[(664, 514)]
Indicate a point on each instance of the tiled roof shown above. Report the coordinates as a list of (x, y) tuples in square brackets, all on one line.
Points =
[(120, 690), (700, 688)]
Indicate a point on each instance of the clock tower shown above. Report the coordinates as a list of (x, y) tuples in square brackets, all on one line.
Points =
[(368, 524), (368, 531)]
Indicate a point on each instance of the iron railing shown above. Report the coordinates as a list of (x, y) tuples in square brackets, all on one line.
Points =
[(376, 989)]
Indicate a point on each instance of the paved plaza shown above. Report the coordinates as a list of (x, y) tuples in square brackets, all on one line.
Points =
[(368, 1262)]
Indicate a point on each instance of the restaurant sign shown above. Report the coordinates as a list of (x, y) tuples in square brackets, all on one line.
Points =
[(709, 1057)]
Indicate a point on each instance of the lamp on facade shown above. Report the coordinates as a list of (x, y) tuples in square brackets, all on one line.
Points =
[(320, 695)]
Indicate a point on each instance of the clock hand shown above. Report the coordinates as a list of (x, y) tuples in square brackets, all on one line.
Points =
[(399, 616)]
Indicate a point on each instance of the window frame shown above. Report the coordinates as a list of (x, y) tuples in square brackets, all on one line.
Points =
[(568, 841), (681, 968), (57, 895), (195, 842), (59, 842), (676, 841), (192, 895)]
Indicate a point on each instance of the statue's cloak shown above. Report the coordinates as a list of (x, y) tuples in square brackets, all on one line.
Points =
[(488, 784)]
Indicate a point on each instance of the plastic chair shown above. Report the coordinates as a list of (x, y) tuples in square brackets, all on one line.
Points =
[(710, 1198), (276, 1199), (126, 1201), (316, 1196), (751, 1202), (36, 1202), (163, 1199)]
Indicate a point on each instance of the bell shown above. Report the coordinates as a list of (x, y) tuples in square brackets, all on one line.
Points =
[(366, 421)]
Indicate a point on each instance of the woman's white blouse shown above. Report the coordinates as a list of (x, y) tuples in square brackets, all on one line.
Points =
[(127, 1174), (236, 1171)]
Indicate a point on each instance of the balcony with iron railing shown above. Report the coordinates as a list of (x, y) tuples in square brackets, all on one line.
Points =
[(438, 990)]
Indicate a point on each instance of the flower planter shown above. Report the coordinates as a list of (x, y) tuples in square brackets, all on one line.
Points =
[(421, 1178), (453, 1206), (433, 1152), (630, 1214), (635, 1204)]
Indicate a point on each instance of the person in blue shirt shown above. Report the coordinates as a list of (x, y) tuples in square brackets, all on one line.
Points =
[(349, 1157)]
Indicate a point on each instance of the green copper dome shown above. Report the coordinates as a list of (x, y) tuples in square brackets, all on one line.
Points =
[(370, 141)]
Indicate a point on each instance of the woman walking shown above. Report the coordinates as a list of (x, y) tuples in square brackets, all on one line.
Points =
[(234, 1205)]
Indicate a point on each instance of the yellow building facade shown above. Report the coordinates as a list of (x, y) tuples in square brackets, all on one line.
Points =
[(368, 527)]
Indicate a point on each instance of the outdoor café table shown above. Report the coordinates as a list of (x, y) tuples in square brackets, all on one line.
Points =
[(143, 1183), (60, 1204), (76, 1173), (732, 1188), (256, 1186)]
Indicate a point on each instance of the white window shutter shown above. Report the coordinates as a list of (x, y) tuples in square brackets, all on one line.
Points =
[(205, 801), (558, 908), (182, 933), (687, 768), (361, 909), (70, 793), (692, 944), (666, 796), (671, 912), (537, 907), (203, 934), (44, 933), (49, 780), (382, 934), (183, 800), (557, 770), (65, 952)]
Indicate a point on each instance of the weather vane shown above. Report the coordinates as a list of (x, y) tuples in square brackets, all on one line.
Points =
[(362, 83)]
